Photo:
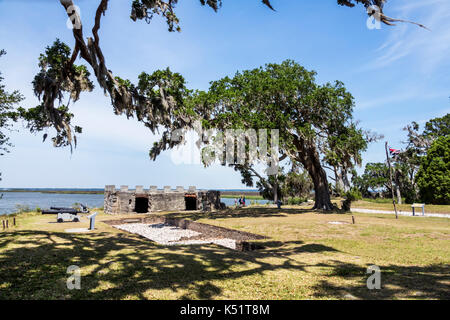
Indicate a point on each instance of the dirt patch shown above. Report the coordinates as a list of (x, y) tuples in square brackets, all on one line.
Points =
[(339, 222)]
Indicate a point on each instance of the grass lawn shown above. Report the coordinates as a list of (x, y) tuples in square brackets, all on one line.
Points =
[(386, 204), (306, 257)]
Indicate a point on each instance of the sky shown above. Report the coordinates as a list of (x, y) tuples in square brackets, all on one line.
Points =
[(396, 74)]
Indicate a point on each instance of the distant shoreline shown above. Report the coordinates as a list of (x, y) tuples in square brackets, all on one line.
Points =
[(55, 191), (225, 193)]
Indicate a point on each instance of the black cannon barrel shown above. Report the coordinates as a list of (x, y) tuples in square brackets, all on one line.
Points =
[(56, 210), (60, 210), (84, 209), (68, 210)]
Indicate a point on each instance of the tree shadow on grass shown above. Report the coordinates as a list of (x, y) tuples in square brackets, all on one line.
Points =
[(249, 212), (397, 282), (122, 266), (288, 248), (117, 266)]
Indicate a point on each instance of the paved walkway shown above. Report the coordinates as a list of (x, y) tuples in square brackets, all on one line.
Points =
[(402, 213)]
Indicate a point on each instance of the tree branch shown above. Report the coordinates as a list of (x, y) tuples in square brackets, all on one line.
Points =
[(103, 6)]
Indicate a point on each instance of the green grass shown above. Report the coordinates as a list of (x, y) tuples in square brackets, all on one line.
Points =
[(386, 204), (305, 257)]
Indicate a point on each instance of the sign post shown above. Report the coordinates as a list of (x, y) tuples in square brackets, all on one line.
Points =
[(92, 221)]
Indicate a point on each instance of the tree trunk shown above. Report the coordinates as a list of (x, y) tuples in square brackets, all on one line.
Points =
[(275, 191), (308, 156), (338, 181), (319, 177), (344, 174), (399, 195)]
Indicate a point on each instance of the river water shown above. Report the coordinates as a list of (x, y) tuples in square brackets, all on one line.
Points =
[(11, 200)]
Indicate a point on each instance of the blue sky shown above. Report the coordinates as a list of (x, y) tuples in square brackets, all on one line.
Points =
[(396, 74)]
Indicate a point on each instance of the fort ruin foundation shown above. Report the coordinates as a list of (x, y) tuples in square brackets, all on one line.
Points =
[(140, 200)]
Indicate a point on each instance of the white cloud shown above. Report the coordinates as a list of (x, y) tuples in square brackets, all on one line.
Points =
[(429, 49), (402, 95)]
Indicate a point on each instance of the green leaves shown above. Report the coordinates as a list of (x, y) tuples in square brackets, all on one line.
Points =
[(284, 96), (147, 9), (8, 112), (438, 127), (57, 78), (433, 177)]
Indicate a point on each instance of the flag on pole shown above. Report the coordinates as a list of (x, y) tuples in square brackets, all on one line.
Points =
[(394, 152)]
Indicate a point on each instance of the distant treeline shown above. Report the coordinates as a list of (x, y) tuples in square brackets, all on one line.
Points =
[(225, 193)]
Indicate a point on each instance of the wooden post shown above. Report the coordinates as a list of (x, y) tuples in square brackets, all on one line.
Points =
[(390, 176), (14, 221), (3, 221), (7, 224), (353, 219)]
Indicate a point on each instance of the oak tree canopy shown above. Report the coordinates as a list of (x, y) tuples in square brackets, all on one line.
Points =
[(153, 101)]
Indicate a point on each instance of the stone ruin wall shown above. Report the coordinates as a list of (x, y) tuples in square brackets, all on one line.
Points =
[(123, 200)]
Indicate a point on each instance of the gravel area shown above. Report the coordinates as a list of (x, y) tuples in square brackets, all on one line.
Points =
[(169, 235)]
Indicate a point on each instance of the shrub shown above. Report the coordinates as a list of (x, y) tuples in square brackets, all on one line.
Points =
[(352, 195), (22, 209)]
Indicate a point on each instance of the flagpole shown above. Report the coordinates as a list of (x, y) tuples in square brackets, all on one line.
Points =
[(390, 175)]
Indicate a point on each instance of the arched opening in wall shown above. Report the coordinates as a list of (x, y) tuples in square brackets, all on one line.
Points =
[(191, 202), (141, 205)]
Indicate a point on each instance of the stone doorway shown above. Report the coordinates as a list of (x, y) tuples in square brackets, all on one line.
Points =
[(191, 202), (141, 205)]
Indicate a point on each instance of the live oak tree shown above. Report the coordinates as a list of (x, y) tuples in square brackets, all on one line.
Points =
[(153, 101), (156, 100), (310, 117)]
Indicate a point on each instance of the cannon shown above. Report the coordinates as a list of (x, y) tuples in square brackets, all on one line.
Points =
[(66, 214)]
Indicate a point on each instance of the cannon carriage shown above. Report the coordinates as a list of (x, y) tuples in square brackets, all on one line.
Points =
[(66, 214)]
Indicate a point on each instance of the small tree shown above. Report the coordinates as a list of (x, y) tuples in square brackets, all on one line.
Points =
[(374, 179), (297, 184)]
